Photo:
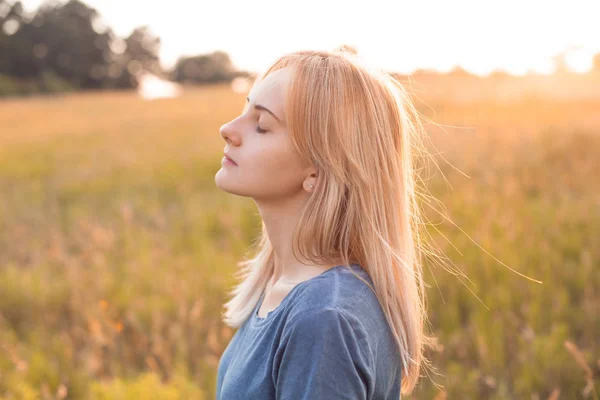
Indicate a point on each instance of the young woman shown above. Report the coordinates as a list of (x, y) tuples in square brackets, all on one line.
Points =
[(331, 306)]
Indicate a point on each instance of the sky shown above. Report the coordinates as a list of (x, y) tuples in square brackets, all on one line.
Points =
[(481, 36)]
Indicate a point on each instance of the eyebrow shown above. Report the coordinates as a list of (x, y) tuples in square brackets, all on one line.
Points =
[(263, 108)]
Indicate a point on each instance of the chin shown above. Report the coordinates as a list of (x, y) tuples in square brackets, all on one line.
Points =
[(227, 184)]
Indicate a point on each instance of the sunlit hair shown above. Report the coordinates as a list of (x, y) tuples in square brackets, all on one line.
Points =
[(358, 127)]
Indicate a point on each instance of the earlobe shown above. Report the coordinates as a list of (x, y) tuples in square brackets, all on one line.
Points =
[(309, 186)]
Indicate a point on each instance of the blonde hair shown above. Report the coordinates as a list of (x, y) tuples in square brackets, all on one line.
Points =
[(358, 127)]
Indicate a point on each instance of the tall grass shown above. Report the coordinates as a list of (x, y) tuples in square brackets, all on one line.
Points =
[(116, 248)]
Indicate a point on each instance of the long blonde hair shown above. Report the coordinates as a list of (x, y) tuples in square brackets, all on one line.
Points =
[(358, 127)]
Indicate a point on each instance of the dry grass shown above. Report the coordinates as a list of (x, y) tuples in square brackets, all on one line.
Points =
[(116, 248)]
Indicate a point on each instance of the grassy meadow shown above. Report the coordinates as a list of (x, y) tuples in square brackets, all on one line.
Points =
[(117, 249)]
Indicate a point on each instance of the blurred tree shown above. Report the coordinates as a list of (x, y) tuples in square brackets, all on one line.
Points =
[(5, 9), (65, 44), (11, 22), (61, 39), (70, 43), (139, 53), (213, 67), (143, 47)]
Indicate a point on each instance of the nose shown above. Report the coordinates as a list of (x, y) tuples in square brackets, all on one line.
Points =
[(228, 132)]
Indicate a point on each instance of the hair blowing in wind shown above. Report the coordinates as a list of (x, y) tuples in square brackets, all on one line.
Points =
[(358, 127)]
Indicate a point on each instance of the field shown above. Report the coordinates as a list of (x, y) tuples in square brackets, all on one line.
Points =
[(116, 247)]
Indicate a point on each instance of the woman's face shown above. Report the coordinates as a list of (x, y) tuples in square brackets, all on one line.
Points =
[(268, 168)]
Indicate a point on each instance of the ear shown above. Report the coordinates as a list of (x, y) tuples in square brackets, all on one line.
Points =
[(310, 183)]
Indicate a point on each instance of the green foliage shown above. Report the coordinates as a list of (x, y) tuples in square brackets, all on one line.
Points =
[(47, 82), (52, 83), (8, 87)]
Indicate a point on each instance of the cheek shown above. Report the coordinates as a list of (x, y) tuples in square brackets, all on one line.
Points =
[(276, 168)]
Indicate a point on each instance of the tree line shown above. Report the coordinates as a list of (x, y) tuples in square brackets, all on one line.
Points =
[(63, 46), (67, 46)]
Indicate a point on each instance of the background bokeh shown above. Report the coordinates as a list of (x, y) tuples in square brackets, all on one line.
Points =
[(117, 249)]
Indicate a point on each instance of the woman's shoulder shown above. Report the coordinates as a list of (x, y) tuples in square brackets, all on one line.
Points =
[(339, 289)]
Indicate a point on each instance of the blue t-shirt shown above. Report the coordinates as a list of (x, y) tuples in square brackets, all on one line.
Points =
[(327, 339)]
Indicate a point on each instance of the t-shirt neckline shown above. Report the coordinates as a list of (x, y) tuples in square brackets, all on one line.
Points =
[(256, 320)]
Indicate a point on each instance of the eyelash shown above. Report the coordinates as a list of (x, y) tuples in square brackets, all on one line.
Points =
[(259, 129)]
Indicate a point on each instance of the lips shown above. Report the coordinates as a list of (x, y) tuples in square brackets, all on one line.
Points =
[(230, 159)]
